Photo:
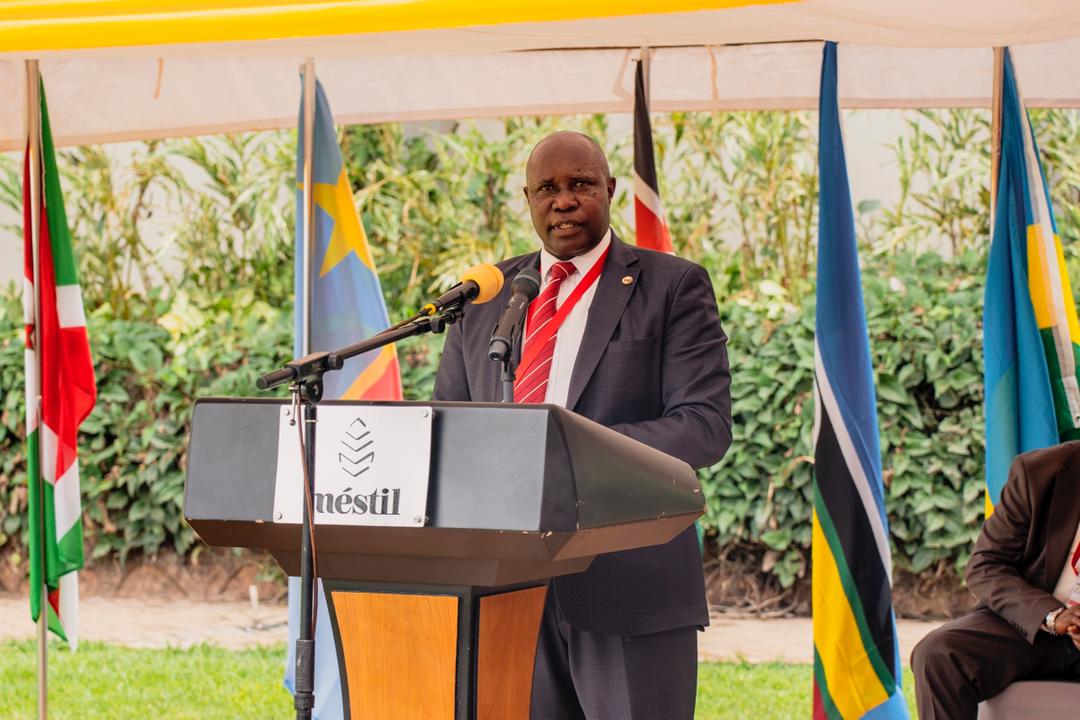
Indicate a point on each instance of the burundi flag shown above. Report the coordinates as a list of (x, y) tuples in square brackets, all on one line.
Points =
[(649, 219), (856, 658), (59, 370), (347, 306), (1031, 340)]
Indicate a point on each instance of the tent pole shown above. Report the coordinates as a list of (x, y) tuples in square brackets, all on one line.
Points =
[(309, 215), (33, 141), (995, 131)]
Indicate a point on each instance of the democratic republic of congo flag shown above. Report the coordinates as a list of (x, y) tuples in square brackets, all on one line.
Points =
[(56, 340), (856, 658), (1031, 339), (347, 302), (649, 219), (347, 306)]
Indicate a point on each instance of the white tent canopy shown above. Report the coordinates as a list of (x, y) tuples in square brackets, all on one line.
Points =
[(108, 80)]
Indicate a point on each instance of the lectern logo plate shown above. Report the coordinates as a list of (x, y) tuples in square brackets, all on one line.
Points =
[(372, 466)]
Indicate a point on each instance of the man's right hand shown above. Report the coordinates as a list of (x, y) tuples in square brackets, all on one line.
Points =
[(1068, 622)]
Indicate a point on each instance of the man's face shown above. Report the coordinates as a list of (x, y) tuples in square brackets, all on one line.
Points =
[(569, 190)]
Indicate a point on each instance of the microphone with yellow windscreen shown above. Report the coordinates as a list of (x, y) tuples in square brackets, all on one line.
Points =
[(479, 284)]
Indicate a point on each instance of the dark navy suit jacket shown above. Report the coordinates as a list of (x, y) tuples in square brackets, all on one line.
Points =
[(652, 365)]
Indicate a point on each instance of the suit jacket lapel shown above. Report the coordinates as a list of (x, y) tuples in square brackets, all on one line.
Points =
[(607, 307), (1062, 519)]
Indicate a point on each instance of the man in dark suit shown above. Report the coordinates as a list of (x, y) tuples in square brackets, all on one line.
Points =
[(1023, 571), (641, 351)]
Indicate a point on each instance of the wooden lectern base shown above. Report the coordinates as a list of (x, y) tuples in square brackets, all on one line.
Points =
[(435, 652)]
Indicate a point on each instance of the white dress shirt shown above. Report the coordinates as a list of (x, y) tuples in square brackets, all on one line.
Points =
[(570, 333), (1067, 578)]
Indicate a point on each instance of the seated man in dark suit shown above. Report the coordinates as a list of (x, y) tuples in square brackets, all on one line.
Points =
[(631, 339), (1023, 571)]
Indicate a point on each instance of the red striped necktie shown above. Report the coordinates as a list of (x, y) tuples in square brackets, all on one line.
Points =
[(532, 386)]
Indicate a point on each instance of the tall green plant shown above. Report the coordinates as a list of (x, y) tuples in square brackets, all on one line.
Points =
[(236, 206), (110, 199), (943, 169), (753, 173)]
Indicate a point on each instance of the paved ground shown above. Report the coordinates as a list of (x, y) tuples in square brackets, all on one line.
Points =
[(160, 623), (784, 639)]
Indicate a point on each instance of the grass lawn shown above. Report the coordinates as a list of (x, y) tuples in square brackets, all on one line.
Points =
[(766, 691), (104, 681)]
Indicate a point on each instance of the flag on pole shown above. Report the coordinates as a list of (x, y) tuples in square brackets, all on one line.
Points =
[(347, 306), (57, 344), (856, 657), (1031, 339), (649, 219), (347, 302)]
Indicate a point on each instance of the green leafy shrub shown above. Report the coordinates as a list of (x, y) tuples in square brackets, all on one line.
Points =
[(133, 445), (924, 318)]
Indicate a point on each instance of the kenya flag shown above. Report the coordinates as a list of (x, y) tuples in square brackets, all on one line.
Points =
[(60, 372), (650, 221)]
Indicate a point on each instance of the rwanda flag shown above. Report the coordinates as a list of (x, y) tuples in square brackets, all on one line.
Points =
[(856, 658), (347, 306), (1030, 332)]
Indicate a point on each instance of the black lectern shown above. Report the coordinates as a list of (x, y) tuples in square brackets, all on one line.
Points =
[(440, 620)]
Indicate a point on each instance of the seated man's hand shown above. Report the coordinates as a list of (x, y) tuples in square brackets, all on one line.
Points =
[(1068, 622)]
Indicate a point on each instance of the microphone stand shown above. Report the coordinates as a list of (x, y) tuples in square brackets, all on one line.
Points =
[(305, 376), (508, 365), (508, 380)]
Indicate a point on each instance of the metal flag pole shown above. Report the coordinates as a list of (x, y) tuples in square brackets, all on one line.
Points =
[(309, 214), (310, 393), (995, 131), (33, 139)]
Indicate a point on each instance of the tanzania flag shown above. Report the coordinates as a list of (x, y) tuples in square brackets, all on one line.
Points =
[(1030, 332), (649, 219), (347, 306), (856, 659), (57, 342)]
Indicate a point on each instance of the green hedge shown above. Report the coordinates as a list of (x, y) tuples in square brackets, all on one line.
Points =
[(132, 447), (925, 323), (924, 319)]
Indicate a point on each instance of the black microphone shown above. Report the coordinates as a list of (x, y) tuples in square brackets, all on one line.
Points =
[(523, 290), (478, 284)]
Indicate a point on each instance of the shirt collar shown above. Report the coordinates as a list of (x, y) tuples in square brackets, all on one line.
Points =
[(583, 262)]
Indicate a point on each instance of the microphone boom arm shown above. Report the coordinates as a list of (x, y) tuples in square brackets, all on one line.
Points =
[(318, 364)]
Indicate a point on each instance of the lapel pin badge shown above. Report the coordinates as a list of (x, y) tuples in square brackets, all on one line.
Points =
[(627, 280)]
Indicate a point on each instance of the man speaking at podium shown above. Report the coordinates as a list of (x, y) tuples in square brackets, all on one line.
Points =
[(631, 339)]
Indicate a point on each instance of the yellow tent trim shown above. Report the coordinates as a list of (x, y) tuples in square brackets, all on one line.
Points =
[(56, 25)]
